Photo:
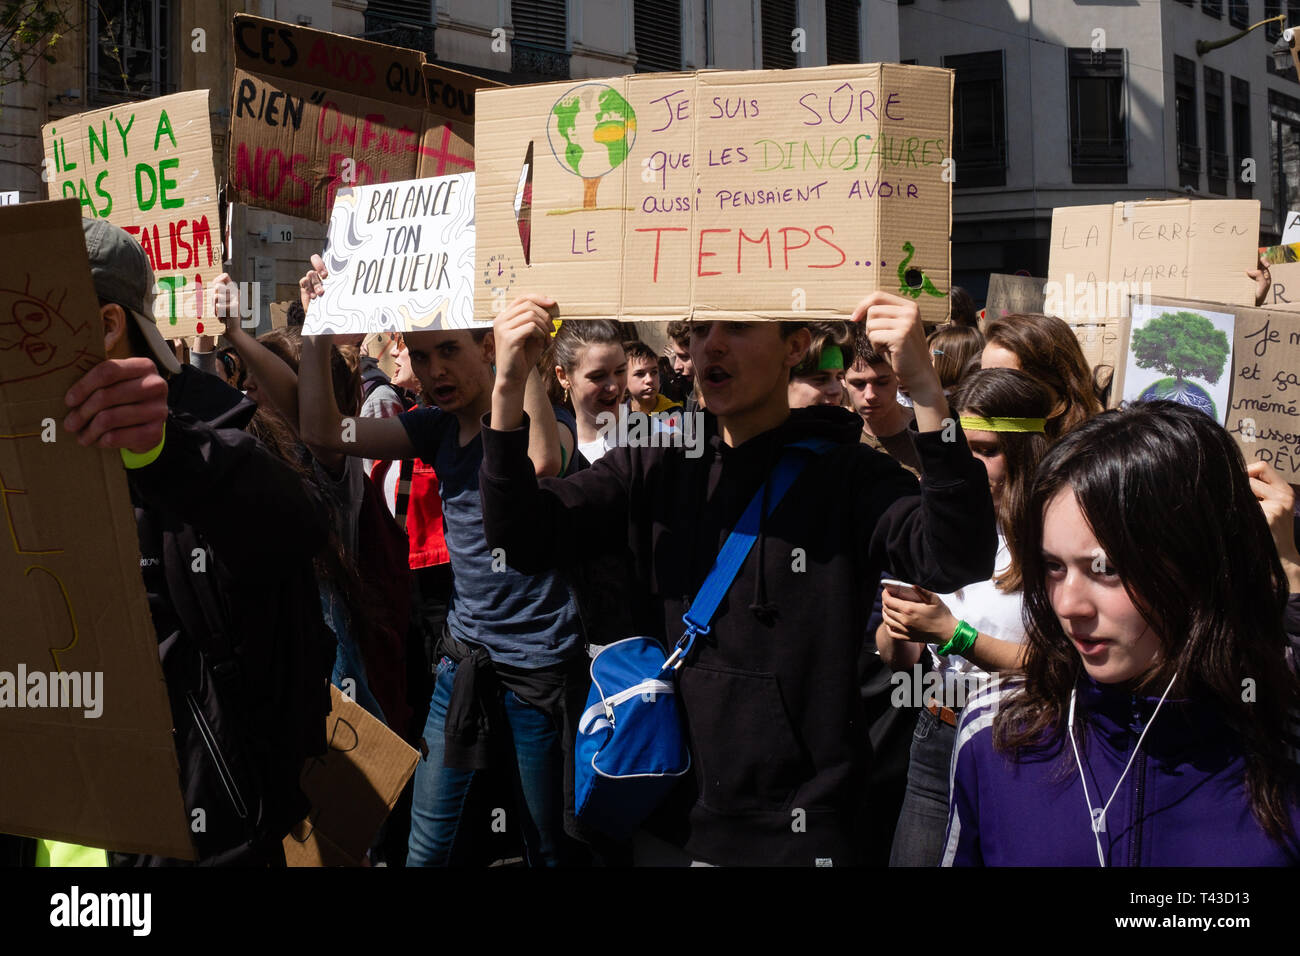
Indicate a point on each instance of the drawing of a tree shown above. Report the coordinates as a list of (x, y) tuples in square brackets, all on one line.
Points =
[(1182, 344)]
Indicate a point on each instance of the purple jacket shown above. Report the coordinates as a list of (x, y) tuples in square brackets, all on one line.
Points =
[(1184, 801)]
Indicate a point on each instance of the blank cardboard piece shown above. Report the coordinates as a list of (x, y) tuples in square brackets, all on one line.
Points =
[(313, 111), (400, 258), (70, 583), (762, 194), (147, 167), (352, 788), (1100, 256)]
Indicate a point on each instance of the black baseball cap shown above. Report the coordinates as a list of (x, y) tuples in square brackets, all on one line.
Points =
[(122, 275)]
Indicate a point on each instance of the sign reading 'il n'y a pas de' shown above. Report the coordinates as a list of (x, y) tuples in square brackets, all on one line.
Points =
[(763, 194), (147, 167)]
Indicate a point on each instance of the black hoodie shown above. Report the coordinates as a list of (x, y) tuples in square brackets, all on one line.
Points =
[(778, 749)]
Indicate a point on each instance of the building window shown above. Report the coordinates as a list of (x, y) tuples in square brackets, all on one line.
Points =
[(1241, 146), (540, 48), (129, 40), (1239, 13), (1284, 144), (979, 119), (1213, 7), (1186, 137), (658, 28), (778, 25), (405, 23), (1216, 136), (1098, 125), (843, 34)]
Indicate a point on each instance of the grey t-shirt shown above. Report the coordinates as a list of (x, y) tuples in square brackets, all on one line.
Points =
[(523, 620)]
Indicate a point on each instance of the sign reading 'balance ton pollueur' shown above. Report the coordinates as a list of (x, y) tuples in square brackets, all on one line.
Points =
[(762, 194), (147, 167)]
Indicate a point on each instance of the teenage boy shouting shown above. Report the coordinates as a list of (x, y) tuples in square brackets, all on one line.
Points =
[(778, 750)]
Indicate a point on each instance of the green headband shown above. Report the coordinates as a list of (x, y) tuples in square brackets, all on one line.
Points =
[(980, 424), (832, 359)]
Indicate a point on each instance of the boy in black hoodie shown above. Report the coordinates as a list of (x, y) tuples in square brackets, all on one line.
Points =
[(779, 755)]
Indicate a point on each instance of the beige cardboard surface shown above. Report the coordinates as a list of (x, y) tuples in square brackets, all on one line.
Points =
[(352, 788), (312, 111), (1101, 255), (147, 167), (759, 194), (400, 258), (70, 587), (1010, 294), (1284, 287)]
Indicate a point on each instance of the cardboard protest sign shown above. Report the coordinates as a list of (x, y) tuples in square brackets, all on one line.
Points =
[(1264, 406), (760, 194), (85, 723), (352, 788), (1099, 256), (313, 111), (1009, 295), (147, 167), (1284, 287), (400, 258)]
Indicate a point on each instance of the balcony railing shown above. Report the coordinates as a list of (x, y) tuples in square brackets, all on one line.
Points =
[(981, 155), (1189, 157), (538, 60), (1099, 152), (1218, 164), (407, 34)]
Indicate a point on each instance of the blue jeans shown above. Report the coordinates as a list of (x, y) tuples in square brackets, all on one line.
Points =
[(439, 823), (918, 840), (348, 663)]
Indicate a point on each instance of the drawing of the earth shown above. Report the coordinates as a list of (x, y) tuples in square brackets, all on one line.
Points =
[(1185, 393), (591, 130)]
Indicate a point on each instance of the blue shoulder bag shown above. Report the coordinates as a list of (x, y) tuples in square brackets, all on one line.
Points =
[(631, 748)]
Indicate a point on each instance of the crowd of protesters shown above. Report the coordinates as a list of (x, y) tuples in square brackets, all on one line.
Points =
[(990, 624)]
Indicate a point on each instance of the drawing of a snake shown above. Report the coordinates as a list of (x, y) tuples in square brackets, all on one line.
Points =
[(926, 285)]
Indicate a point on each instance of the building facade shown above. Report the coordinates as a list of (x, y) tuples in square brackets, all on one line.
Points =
[(122, 50), (1069, 103)]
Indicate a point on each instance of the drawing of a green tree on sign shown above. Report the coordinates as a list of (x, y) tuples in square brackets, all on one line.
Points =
[(1182, 345), (591, 130)]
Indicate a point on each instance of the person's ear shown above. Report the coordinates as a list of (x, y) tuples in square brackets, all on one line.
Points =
[(797, 345), (489, 349), (562, 378), (115, 337)]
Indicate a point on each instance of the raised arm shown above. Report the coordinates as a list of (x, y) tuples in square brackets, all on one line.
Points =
[(520, 333), (946, 538), (557, 521), (320, 423), (275, 379)]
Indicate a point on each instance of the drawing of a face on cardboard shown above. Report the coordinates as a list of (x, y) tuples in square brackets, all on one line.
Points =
[(35, 338)]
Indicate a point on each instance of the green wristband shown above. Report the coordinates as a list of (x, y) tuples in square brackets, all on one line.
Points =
[(963, 639), (134, 460)]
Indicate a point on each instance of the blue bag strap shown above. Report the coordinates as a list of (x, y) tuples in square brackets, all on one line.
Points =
[(739, 543)]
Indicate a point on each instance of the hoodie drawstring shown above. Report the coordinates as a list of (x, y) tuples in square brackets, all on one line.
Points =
[(763, 610)]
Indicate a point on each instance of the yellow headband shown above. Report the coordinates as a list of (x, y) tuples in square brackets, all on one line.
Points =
[(976, 423)]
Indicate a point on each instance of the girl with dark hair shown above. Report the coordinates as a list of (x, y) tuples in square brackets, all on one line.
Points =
[(1155, 724), (976, 629), (1046, 348)]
